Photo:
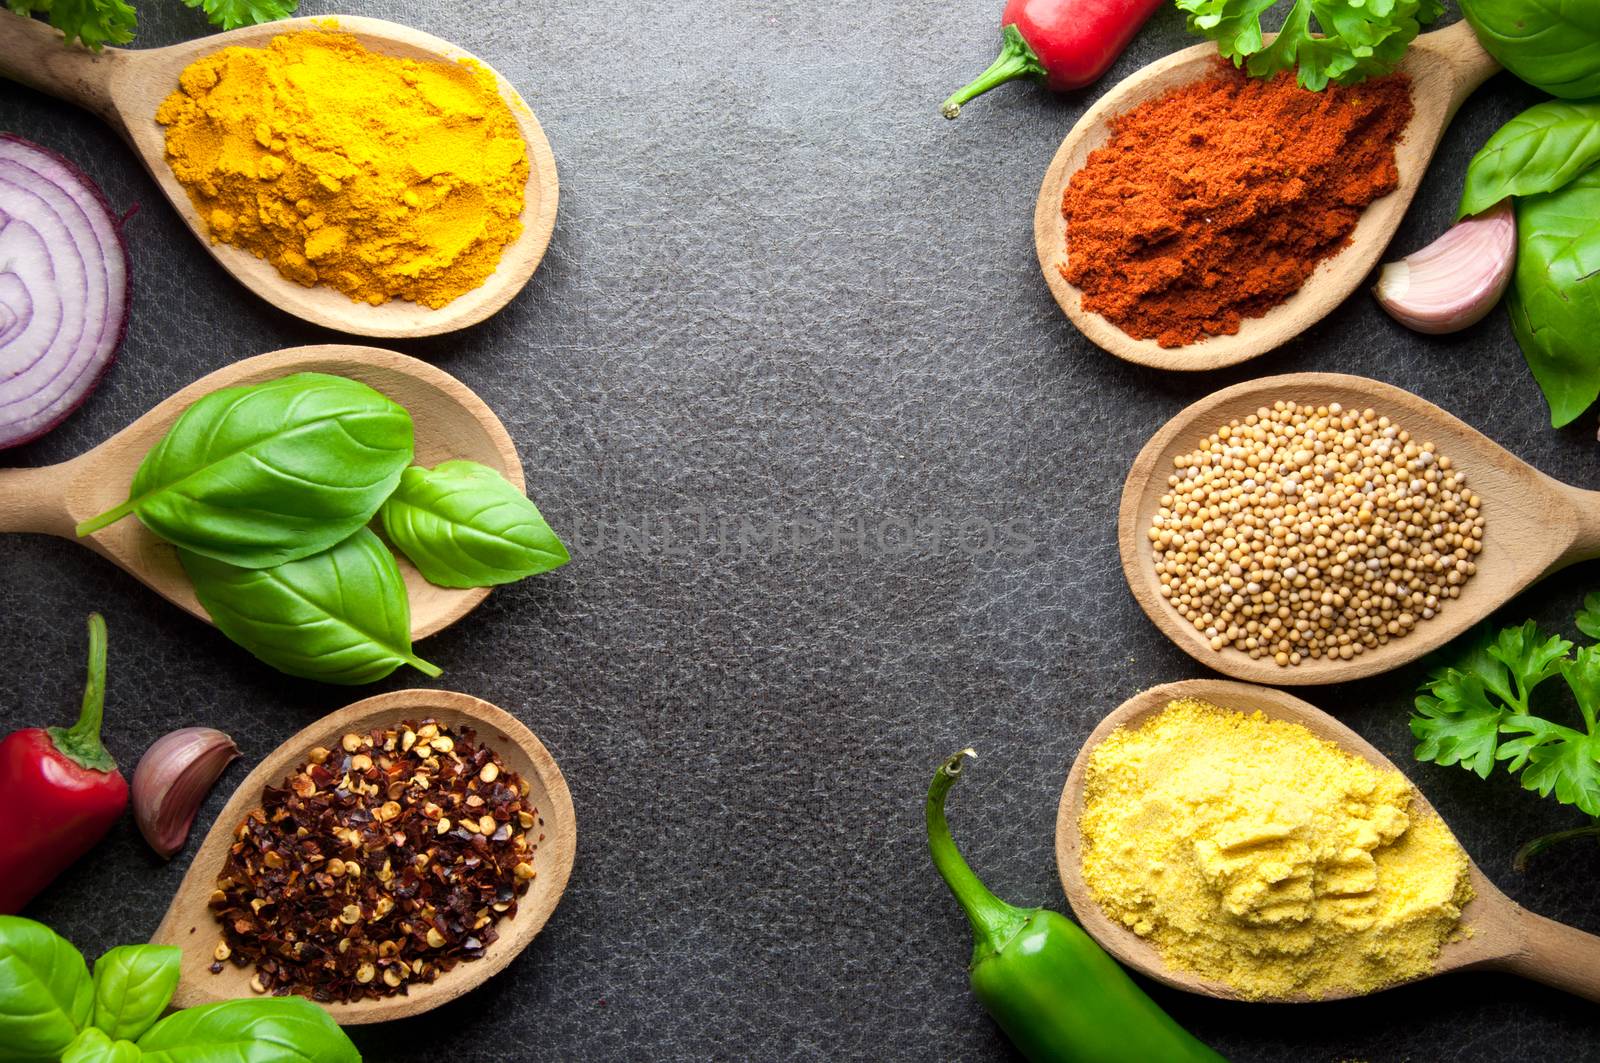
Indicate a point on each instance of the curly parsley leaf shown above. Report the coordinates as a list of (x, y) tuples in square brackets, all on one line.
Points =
[(94, 22), (1458, 724), (1588, 618), (1326, 40), (231, 14), (1478, 710)]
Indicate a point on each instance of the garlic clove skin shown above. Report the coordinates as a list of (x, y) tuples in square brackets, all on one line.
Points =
[(1457, 279), (172, 778)]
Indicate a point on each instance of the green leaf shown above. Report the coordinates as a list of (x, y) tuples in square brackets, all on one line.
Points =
[(1555, 759), (1555, 295), (1529, 658), (1551, 44), (1540, 150), (46, 996), (340, 616), (132, 985), (266, 1030), (1457, 723), (463, 525), (1327, 40), (231, 14), (94, 1046), (268, 473), (93, 22), (1588, 618)]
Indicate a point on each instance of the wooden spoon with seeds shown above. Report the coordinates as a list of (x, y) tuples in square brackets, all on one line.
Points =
[(190, 926), (1504, 936), (451, 422), (1445, 67), (1533, 525), (125, 87)]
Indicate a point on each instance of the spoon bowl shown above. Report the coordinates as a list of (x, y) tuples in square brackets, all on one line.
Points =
[(451, 422), (1503, 935), (1444, 66), (1533, 525), (125, 87), (190, 926)]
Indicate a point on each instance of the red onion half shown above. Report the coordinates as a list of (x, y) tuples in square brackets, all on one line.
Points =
[(63, 288)]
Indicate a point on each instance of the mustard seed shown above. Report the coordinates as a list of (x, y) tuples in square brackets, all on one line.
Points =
[(1302, 532)]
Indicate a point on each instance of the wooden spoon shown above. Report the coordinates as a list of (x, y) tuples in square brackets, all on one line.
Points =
[(1445, 66), (190, 925), (125, 88), (451, 422), (1504, 936), (1533, 525)]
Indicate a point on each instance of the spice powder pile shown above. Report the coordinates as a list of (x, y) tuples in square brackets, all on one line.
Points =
[(1216, 201), (379, 176), (381, 863), (1313, 531), (1251, 852)]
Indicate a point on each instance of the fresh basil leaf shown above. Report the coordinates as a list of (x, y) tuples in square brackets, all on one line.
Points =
[(268, 473), (1540, 150), (94, 1046), (340, 616), (1551, 44), (1554, 300), (268, 1030), (132, 985), (463, 525), (46, 996)]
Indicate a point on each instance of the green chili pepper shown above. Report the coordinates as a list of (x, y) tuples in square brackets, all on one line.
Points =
[(1054, 992)]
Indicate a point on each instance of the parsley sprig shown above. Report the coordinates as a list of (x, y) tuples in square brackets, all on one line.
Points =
[(1479, 710), (1325, 40), (97, 23)]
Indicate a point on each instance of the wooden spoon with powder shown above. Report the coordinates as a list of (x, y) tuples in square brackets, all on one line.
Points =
[(1501, 935)]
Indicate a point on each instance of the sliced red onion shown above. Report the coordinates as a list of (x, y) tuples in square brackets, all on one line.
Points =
[(63, 288), (1457, 279)]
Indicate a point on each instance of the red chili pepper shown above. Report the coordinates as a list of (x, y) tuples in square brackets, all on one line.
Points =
[(1065, 43), (60, 790)]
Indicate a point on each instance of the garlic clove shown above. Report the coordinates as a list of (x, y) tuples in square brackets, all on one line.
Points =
[(172, 778), (1457, 279)]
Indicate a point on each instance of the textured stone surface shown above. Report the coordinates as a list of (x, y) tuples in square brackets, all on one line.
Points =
[(783, 294)]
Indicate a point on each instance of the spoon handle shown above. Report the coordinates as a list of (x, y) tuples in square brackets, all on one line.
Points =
[(34, 500), (36, 55), (1457, 47), (1586, 542), (1557, 955)]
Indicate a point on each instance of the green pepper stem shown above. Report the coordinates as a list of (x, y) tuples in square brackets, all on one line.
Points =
[(81, 743), (1017, 59), (994, 922), (1546, 841)]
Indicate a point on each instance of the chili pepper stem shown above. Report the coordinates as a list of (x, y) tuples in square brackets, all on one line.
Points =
[(1017, 59), (1546, 841), (994, 922), (81, 743)]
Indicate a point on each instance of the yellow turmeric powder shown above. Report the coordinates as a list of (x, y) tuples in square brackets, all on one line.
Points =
[(382, 177), (1251, 852)]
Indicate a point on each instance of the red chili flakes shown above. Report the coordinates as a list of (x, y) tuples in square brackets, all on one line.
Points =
[(378, 864)]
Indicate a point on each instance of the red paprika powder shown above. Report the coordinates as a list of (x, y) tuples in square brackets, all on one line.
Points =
[(1214, 202)]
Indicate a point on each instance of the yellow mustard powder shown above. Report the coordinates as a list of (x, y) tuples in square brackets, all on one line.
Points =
[(382, 177), (1251, 852)]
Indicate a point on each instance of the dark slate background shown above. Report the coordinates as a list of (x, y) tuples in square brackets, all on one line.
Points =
[(787, 366)]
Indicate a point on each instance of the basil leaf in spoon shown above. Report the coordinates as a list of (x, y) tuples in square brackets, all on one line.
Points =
[(267, 473), (464, 525), (1554, 300), (340, 616)]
